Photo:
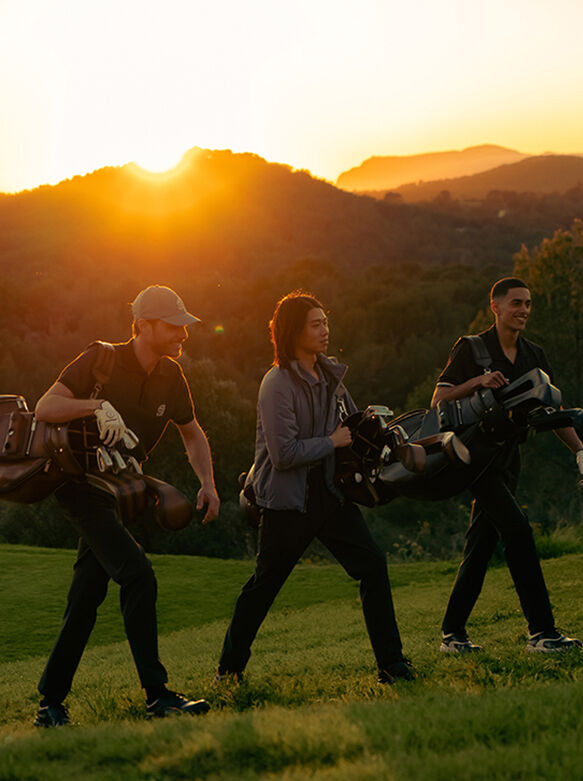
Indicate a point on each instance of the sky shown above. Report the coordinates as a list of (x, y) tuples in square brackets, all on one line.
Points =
[(316, 84)]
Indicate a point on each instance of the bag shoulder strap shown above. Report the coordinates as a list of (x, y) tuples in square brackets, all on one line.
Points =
[(480, 352), (103, 366)]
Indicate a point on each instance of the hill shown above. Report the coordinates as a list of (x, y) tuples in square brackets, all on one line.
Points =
[(216, 209), (233, 233), (390, 172), (310, 706), (544, 174)]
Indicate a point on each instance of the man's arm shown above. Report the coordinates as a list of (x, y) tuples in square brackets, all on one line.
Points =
[(452, 392), (58, 405), (286, 449), (199, 456), (569, 437)]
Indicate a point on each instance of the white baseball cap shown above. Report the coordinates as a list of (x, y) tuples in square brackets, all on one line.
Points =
[(158, 302)]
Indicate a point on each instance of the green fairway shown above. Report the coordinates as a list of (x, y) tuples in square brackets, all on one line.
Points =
[(310, 706)]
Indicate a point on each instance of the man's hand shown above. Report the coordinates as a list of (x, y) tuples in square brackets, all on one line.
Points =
[(209, 497), (492, 380), (109, 423), (342, 436), (579, 457)]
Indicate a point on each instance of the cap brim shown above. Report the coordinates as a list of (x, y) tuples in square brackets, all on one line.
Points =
[(184, 318)]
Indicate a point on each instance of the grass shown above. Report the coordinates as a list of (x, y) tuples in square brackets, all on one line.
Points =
[(310, 707)]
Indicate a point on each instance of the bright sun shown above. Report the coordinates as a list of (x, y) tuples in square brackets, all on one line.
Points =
[(158, 161)]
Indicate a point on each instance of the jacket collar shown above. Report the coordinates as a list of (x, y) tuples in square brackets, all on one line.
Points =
[(330, 366)]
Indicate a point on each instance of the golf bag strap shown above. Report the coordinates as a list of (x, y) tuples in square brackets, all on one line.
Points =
[(480, 352), (103, 366)]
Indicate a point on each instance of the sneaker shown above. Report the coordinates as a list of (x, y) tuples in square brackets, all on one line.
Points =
[(52, 716), (551, 642), (453, 643), (402, 670), (221, 678), (172, 702)]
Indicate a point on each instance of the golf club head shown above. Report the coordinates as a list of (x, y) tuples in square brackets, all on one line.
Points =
[(134, 465), (118, 463), (129, 439), (104, 460)]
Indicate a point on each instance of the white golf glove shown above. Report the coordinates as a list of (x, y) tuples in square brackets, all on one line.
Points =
[(109, 423), (579, 457)]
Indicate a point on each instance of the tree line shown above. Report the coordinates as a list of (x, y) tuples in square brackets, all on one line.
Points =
[(71, 269)]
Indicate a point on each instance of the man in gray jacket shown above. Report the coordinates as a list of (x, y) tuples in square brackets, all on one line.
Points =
[(298, 430)]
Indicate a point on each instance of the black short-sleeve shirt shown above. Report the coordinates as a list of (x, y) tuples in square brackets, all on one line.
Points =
[(145, 401), (462, 367)]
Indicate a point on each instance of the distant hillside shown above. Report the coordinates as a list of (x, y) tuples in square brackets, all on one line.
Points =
[(387, 173), (233, 233), (221, 210), (544, 174), (224, 218)]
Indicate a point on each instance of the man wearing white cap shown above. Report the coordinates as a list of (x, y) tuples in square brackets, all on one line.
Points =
[(146, 390)]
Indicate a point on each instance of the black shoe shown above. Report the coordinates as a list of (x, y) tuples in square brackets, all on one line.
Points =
[(453, 643), (172, 702), (551, 642), (52, 716), (402, 670)]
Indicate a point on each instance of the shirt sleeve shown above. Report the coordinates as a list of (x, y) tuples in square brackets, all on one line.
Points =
[(77, 376), (182, 406), (460, 365)]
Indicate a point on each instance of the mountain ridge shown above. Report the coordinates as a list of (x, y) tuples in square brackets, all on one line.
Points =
[(390, 171), (537, 174)]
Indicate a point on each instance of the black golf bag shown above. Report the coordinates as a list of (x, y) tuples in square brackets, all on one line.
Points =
[(435, 454)]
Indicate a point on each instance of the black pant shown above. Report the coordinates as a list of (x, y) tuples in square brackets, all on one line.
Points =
[(283, 536), (106, 550), (496, 514)]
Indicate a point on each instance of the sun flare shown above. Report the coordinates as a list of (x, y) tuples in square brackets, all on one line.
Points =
[(159, 161)]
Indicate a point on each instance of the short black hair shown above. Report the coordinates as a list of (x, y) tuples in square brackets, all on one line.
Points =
[(500, 288), (287, 324)]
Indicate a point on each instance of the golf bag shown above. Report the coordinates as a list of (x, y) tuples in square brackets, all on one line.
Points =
[(435, 454), (36, 458)]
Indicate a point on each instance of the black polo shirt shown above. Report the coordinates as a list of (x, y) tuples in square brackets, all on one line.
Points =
[(145, 401), (462, 367)]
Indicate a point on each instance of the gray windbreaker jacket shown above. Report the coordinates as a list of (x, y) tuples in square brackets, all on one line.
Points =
[(285, 445)]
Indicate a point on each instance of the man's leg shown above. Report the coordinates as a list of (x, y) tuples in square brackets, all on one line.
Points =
[(87, 592), (116, 555), (480, 543), (348, 538), (283, 537), (501, 508)]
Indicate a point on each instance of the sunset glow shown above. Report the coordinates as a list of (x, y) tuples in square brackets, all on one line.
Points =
[(159, 161), (317, 85)]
